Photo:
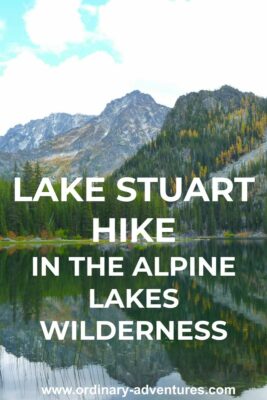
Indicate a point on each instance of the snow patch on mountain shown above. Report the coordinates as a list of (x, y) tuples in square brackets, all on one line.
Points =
[(30, 136)]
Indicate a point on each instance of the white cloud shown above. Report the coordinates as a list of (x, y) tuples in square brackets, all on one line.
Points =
[(53, 24), (32, 89), (172, 47), (167, 48)]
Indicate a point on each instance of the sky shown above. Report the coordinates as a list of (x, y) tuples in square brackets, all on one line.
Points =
[(74, 56)]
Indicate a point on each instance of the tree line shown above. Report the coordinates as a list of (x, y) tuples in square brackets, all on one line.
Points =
[(70, 219)]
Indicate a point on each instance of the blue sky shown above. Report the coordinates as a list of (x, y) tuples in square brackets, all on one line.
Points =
[(76, 55), (15, 34)]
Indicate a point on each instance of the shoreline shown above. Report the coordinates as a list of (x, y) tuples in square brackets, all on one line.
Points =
[(7, 243)]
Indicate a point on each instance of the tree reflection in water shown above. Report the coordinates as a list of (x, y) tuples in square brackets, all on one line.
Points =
[(239, 361)]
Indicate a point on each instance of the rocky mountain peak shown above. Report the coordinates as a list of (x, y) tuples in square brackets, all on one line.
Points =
[(132, 99), (226, 98)]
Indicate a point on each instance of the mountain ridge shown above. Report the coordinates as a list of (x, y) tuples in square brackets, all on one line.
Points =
[(202, 128), (135, 123), (29, 136), (106, 140)]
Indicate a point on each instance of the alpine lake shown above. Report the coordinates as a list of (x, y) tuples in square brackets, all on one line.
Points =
[(28, 362)]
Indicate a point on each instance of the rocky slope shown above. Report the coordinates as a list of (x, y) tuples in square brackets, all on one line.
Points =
[(71, 145), (106, 141), (30, 136), (196, 104)]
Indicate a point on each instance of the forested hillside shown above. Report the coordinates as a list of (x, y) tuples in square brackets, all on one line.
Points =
[(229, 217), (202, 133), (205, 132), (70, 219)]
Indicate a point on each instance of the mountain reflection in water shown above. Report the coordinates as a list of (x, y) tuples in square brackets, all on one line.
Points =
[(28, 362)]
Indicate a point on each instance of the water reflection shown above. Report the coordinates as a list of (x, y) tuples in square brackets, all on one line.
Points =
[(241, 301)]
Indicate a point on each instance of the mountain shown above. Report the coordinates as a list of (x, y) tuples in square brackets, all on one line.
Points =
[(30, 136), (194, 106), (206, 133), (209, 133), (71, 144), (203, 133), (109, 139)]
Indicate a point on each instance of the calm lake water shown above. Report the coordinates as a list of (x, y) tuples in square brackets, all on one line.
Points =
[(28, 362)]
